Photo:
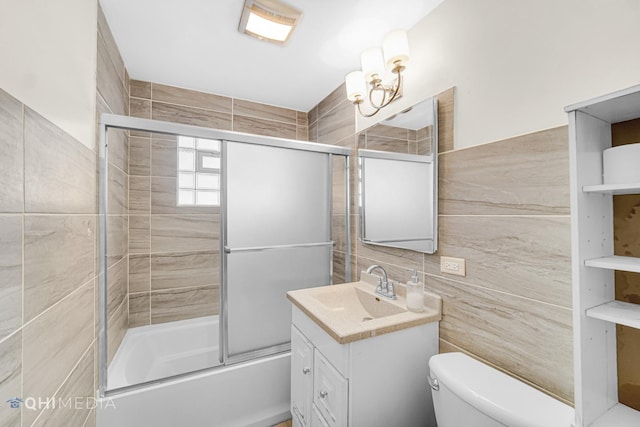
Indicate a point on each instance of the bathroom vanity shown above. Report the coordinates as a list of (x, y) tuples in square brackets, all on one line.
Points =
[(360, 360)]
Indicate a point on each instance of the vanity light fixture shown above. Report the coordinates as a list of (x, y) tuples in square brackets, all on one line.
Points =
[(393, 57), (269, 20)]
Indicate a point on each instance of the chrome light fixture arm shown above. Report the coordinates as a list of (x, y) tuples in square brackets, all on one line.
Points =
[(389, 93)]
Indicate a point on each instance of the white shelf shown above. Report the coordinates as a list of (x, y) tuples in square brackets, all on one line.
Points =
[(615, 262), (615, 189), (620, 312), (618, 416)]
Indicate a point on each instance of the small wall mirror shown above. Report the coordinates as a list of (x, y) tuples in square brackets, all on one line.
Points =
[(398, 180)]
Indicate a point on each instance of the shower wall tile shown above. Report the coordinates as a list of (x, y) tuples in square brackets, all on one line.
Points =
[(139, 237), (394, 145), (184, 233), (185, 269), (80, 386), (164, 157), (445, 120), (401, 273), (184, 303), (313, 132), (263, 111), (117, 238), (116, 328), (139, 309), (60, 172), (110, 48), (139, 156), (117, 279), (533, 178), (140, 89), (110, 81), (10, 274), (190, 115), (264, 127), (192, 98), (526, 256), (91, 419), (312, 115), (339, 268), (58, 258), (393, 256), (386, 131), (139, 195), (139, 273), (528, 338), (335, 98), (302, 118), (118, 202), (11, 161), (141, 108), (337, 124), (302, 133), (10, 378), (54, 342), (118, 141)]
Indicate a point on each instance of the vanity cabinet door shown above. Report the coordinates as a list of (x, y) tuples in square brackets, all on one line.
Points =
[(330, 392), (316, 418), (301, 376)]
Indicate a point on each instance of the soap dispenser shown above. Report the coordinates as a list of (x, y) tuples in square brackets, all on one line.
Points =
[(415, 293)]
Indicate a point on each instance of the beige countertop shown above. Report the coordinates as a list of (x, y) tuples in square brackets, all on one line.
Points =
[(352, 311)]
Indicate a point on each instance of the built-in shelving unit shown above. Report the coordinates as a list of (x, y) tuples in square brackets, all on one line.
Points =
[(596, 312)]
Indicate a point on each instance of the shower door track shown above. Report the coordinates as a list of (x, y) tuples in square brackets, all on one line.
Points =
[(114, 121)]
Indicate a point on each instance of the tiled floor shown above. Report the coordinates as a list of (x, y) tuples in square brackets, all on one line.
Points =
[(284, 424)]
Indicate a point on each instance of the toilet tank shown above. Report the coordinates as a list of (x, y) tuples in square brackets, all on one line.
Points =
[(471, 393)]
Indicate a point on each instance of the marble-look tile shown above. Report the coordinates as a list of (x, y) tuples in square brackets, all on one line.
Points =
[(11, 161), (54, 342), (10, 378), (118, 192), (117, 238), (139, 273), (181, 233), (523, 175), (139, 309), (164, 199), (140, 89), (112, 51), (91, 419), (10, 274), (338, 232), (302, 118), (58, 258), (525, 256), (394, 256), (191, 116), (118, 146), (140, 108), (400, 273), (530, 339), (375, 142), (139, 156), (386, 131), (445, 120), (336, 97), (139, 195), (339, 268), (139, 234), (110, 81), (264, 111), (184, 303), (77, 388), (312, 115), (60, 172), (313, 132), (191, 98), (424, 146), (116, 328), (184, 269), (337, 124), (117, 277), (164, 157), (302, 133), (264, 127)]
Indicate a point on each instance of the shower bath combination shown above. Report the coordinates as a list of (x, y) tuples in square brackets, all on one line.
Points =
[(230, 223)]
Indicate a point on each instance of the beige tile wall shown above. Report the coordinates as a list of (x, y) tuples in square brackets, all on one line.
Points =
[(504, 207), (626, 222), (174, 271), (47, 266)]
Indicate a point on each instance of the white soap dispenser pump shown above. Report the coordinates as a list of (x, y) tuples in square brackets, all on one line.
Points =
[(415, 293)]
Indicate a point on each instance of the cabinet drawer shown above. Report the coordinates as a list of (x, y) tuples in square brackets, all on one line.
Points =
[(301, 376), (316, 418), (330, 392)]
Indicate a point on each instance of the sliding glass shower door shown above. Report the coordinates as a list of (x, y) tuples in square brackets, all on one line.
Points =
[(276, 238)]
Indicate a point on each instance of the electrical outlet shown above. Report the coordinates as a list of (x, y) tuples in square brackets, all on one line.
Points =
[(451, 265)]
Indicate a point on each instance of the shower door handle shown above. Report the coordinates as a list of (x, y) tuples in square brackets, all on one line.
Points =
[(228, 250)]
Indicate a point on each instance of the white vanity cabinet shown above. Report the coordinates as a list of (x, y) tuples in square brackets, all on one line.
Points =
[(379, 381)]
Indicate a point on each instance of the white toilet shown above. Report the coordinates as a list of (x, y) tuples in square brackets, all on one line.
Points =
[(467, 392)]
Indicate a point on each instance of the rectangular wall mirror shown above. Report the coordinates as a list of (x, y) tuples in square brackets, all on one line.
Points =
[(398, 180)]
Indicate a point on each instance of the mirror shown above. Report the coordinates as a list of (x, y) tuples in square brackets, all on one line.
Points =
[(398, 180)]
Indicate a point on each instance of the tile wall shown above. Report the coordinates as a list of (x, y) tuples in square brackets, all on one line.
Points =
[(504, 207), (626, 222), (174, 271)]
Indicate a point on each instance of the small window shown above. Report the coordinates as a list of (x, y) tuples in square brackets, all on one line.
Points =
[(198, 172)]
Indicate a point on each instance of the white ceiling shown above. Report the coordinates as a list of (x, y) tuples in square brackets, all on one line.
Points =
[(196, 44)]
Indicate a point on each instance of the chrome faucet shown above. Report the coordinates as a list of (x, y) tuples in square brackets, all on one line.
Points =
[(385, 288)]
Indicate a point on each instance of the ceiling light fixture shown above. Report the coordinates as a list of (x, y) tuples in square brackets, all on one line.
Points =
[(393, 56), (269, 20)]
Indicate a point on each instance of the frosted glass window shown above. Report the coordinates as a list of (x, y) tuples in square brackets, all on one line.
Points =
[(198, 172), (208, 181)]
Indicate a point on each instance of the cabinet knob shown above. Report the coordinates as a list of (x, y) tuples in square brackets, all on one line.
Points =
[(323, 394), (306, 370)]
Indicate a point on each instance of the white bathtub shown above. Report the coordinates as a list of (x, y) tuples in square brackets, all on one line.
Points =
[(254, 393)]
